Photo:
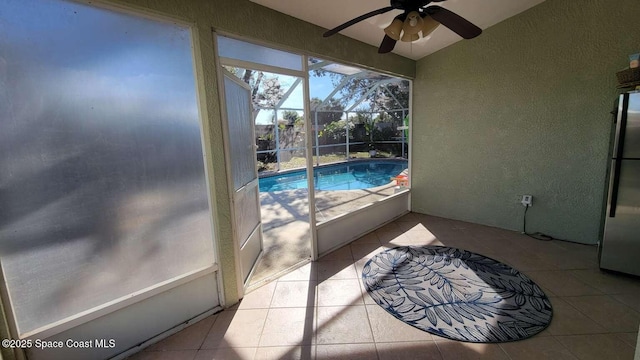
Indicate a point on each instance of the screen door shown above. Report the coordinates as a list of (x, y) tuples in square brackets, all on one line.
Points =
[(242, 154)]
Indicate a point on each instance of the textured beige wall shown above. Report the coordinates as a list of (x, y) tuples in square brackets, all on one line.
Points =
[(523, 109), (241, 17)]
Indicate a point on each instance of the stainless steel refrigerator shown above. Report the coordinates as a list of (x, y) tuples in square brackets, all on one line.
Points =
[(620, 247)]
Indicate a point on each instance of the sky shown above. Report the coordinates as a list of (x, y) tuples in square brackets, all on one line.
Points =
[(319, 87)]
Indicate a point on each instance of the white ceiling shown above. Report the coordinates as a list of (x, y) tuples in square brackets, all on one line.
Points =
[(331, 13)]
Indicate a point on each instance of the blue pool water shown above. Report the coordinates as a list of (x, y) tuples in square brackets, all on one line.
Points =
[(347, 176)]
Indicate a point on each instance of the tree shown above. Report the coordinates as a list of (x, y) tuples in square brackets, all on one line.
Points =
[(380, 100), (400, 91), (365, 117), (329, 112), (266, 91), (290, 116)]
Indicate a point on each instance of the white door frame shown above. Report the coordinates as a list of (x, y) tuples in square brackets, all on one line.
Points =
[(304, 74)]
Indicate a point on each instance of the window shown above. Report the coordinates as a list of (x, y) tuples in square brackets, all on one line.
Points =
[(101, 170)]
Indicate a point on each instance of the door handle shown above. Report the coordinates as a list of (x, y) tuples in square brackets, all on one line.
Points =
[(619, 152)]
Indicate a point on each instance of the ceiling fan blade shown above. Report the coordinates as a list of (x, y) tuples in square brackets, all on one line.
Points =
[(387, 45), (357, 20), (453, 21)]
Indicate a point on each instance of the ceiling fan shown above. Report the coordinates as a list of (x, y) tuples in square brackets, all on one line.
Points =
[(417, 18)]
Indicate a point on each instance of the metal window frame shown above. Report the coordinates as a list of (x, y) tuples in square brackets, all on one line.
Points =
[(310, 129)]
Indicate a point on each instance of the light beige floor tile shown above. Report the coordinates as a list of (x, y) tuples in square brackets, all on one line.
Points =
[(308, 272), (524, 261), (226, 354), (544, 332), (386, 246), (608, 312), (368, 300), (537, 348), (240, 328), (359, 264), (370, 238), (339, 292), (450, 228), (422, 242), (409, 217), (502, 257), (366, 251), (576, 247), (391, 227), (568, 260), (455, 243), (495, 244), (424, 350), (409, 224), (631, 300), (346, 351), (537, 246), (294, 294), (561, 283), (343, 253), (465, 243), (387, 328), (430, 219), (462, 226), (567, 320), (165, 355), (597, 347), (259, 298), (457, 350), (395, 241), (289, 326), (342, 325), (630, 339), (444, 232), (188, 339), (336, 270), (608, 283), (421, 236), (286, 353), (387, 237)]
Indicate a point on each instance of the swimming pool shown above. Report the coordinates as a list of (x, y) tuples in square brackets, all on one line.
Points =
[(345, 176)]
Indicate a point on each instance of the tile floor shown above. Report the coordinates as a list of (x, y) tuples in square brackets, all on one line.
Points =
[(320, 311)]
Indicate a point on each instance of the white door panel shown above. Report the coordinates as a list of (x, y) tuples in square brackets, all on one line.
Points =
[(244, 174)]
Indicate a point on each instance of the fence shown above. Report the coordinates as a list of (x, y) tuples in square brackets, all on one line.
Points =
[(338, 135)]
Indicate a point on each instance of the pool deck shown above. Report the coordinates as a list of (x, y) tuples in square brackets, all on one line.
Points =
[(285, 223)]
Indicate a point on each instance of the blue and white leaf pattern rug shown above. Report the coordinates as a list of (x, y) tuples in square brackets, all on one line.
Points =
[(457, 294)]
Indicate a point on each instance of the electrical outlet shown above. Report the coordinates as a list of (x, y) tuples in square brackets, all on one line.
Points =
[(527, 200)]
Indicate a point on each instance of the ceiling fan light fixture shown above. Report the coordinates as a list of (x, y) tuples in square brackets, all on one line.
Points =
[(410, 37), (418, 19), (428, 26), (413, 23), (394, 29)]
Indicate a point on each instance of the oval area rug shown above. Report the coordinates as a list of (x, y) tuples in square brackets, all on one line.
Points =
[(457, 294)]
